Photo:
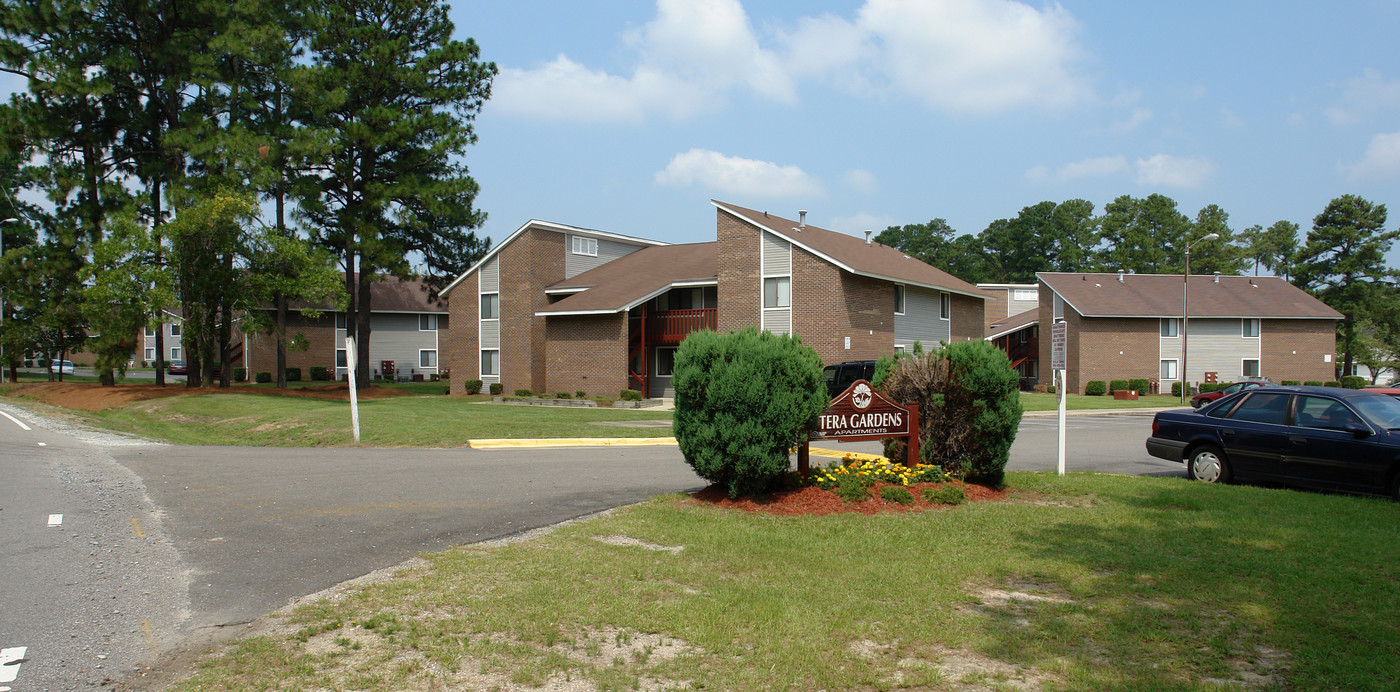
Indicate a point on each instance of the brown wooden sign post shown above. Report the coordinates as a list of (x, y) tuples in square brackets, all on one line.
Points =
[(862, 413)]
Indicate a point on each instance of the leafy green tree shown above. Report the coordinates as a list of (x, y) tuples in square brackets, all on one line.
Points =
[(124, 287), (937, 244), (742, 401), (1343, 264), (392, 95), (1074, 246), (1145, 236), (42, 291), (1224, 255), (281, 269)]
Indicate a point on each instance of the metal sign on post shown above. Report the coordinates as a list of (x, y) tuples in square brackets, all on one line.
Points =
[(354, 402), (1059, 337)]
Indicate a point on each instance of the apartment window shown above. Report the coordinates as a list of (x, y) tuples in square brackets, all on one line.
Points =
[(777, 292), (339, 320), (1250, 367), (1033, 369), (490, 306), (898, 349), (1169, 369), (1025, 294), (174, 329), (1249, 327), (174, 353), (1024, 335), (490, 363), (341, 360), (427, 358), (898, 299), (150, 354), (1171, 328), (585, 246), (150, 332), (945, 306), (665, 361), (427, 323)]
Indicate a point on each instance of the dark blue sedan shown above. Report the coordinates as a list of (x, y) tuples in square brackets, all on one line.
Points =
[(1308, 436)]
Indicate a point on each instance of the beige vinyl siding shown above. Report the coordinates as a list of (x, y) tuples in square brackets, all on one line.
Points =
[(491, 275), (608, 250), (778, 320), (1216, 345), (1016, 307), (396, 337), (776, 259), (489, 331), (920, 321)]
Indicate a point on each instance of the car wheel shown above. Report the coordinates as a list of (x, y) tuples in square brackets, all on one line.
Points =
[(1196, 403), (1207, 463)]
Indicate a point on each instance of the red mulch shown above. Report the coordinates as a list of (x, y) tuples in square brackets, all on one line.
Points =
[(816, 502), (92, 396)]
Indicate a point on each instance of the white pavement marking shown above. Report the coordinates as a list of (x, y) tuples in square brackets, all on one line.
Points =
[(55, 520), (16, 421), (9, 663), (43, 444)]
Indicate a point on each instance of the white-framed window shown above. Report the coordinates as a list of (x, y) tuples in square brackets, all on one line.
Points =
[(427, 323), (585, 246), (427, 358), (1171, 327), (150, 333), (174, 329), (1169, 369), (945, 306), (1024, 335), (490, 362), (342, 358), (899, 348), (175, 353), (339, 320), (899, 299), (149, 355), (777, 292), (1249, 328), (665, 361), (490, 306), (1249, 367), (1025, 294)]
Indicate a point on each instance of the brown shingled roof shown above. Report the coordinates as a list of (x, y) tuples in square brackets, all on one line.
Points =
[(1013, 323), (1160, 295), (634, 277), (392, 294), (852, 254)]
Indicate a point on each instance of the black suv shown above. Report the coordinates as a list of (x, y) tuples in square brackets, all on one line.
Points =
[(840, 376)]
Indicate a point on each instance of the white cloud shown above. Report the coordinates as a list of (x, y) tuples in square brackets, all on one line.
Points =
[(1139, 116), (858, 224), (1088, 168), (1363, 97), (1381, 160), (1173, 171), (735, 175), (565, 90), (861, 180)]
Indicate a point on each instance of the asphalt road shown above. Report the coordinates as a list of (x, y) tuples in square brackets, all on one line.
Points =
[(163, 545)]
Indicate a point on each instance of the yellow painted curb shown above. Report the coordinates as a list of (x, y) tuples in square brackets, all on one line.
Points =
[(834, 454), (574, 442)]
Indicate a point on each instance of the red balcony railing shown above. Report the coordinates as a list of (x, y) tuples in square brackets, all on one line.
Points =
[(671, 326)]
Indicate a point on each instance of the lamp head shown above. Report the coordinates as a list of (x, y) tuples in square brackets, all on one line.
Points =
[(1210, 236), (9, 220)]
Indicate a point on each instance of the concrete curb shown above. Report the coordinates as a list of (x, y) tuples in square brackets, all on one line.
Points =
[(574, 442)]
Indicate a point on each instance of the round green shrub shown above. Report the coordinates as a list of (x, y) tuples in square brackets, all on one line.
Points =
[(1117, 386), (1141, 385), (263, 377), (580, 394), (630, 395), (1313, 383), (1332, 383), (1354, 382), (293, 374), (969, 407), (319, 373), (472, 386), (1289, 382), (497, 388), (742, 401), (563, 395), (1095, 388), (523, 392)]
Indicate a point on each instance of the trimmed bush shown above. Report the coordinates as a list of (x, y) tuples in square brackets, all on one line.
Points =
[(1041, 388), (319, 373), (742, 399), (969, 407), (1095, 388), (524, 392), (1050, 389), (1333, 383), (1176, 390), (472, 386), (1141, 385), (1313, 383), (1206, 387), (293, 374), (263, 377), (240, 374), (630, 395), (1289, 382), (580, 394), (1117, 386), (1354, 382), (563, 395), (496, 388)]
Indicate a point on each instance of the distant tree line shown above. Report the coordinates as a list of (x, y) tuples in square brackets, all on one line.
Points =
[(1341, 260), (228, 159)]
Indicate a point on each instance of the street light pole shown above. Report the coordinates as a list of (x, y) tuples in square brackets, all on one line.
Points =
[(4, 222), (1186, 311)]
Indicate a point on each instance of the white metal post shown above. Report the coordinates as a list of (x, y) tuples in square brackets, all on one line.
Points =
[(354, 401), (1061, 389)]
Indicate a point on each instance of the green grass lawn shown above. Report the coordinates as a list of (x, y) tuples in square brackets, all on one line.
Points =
[(409, 421), (1087, 582)]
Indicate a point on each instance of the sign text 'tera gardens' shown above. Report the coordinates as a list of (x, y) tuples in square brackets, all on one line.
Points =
[(863, 413)]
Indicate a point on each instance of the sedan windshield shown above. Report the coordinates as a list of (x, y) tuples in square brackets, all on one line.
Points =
[(1383, 410)]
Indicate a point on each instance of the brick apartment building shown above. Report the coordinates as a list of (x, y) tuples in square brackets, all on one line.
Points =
[(1124, 326), (561, 308)]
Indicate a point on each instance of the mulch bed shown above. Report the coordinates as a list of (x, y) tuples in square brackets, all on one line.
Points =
[(816, 502)]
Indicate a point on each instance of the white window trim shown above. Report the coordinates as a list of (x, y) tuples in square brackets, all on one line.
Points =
[(1176, 365), (150, 332), (1259, 366), (483, 294), (945, 300), (175, 353), (1172, 320), (149, 354), (765, 293), (1258, 327), (498, 363), (432, 319), (901, 292), (901, 348), (1020, 294), (656, 361), (581, 245), (421, 366), (174, 329), (342, 321), (338, 366)]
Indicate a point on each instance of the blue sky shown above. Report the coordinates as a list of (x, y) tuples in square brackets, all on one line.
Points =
[(630, 116)]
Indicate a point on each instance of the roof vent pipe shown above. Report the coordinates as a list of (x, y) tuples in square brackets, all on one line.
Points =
[(801, 218), (867, 236), (1120, 276), (1217, 277)]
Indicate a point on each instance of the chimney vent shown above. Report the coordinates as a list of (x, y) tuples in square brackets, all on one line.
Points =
[(801, 218), (867, 236), (1217, 277), (1120, 276)]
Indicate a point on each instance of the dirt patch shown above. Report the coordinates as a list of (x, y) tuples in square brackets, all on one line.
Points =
[(91, 396), (816, 501)]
